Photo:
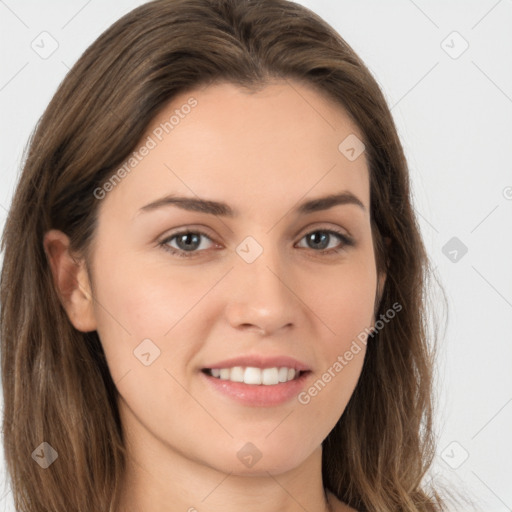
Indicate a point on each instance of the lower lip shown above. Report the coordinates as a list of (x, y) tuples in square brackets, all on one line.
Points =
[(258, 395)]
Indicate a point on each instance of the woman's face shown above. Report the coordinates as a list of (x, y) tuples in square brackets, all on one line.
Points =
[(262, 280)]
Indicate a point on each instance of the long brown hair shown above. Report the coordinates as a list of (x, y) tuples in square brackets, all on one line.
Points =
[(56, 384)]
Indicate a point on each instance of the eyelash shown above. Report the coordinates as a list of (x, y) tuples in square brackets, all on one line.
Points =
[(345, 240)]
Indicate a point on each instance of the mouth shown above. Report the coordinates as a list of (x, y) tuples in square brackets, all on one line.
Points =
[(254, 376), (251, 386)]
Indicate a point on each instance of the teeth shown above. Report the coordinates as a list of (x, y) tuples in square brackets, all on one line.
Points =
[(237, 374), (252, 375), (270, 376), (283, 374), (255, 376)]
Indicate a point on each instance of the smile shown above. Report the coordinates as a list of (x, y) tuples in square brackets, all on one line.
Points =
[(255, 376)]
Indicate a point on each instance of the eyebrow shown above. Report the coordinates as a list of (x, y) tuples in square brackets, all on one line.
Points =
[(223, 209)]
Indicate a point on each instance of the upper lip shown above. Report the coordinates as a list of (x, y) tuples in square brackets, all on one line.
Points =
[(261, 361)]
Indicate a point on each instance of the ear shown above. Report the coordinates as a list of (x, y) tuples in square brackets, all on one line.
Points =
[(381, 279), (71, 281)]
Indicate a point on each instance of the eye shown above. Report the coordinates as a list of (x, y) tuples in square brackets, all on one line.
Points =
[(188, 243), (321, 240)]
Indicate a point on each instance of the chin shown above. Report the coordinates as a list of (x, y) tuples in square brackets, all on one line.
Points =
[(259, 458)]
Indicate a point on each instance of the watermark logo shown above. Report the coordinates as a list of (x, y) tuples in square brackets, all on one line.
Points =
[(454, 249), (249, 455), (249, 249), (454, 455), (45, 455), (45, 45), (147, 352), (352, 147), (454, 45)]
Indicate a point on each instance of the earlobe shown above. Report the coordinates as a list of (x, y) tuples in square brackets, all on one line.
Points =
[(71, 281)]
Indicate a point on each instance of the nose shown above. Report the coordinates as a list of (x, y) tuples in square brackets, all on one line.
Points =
[(261, 296)]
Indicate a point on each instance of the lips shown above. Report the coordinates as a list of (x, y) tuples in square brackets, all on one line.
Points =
[(258, 380)]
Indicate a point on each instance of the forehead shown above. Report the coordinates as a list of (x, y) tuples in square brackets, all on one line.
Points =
[(256, 150)]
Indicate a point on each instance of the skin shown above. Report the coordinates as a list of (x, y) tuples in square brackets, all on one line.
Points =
[(261, 153)]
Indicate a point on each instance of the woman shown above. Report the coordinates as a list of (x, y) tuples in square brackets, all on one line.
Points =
[(217, 300)]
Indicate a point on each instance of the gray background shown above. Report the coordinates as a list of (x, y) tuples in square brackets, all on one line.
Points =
[(453, 108)]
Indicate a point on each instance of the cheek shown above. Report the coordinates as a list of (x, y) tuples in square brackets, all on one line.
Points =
[(143, 309), (144, 298), (344, 304), (343, 300)]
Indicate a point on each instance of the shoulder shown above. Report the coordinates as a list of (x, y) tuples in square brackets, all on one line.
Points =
[(338, 506)]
